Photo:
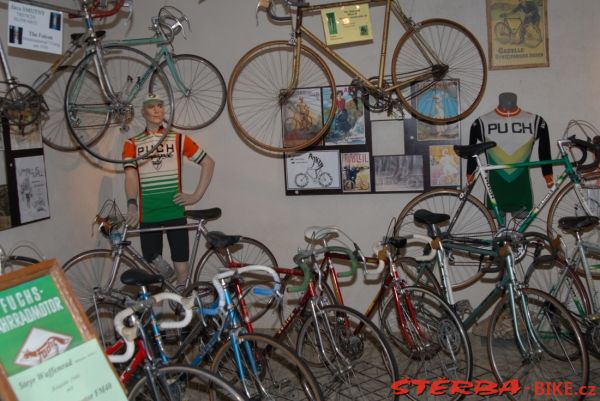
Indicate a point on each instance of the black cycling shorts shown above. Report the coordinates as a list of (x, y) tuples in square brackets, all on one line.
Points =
[(152, 243)]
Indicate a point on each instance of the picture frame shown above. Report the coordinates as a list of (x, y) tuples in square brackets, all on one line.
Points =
[(517, 34), (356, 172), (302, 116), (399, 173), (444, 166), (312, 172), (348, 126)]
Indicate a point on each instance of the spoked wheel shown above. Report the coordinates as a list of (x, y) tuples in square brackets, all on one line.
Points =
[(101, 122), (448, 88), (258, 96), (198, 91)]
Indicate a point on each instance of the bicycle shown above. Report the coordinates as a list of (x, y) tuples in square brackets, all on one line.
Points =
[(93, 273), (9, 261), (316, 176), (91, 109), (255, 365), (427, 334), (422, 67), (160, 382), (531, 336), (471, 219), (510, 28), (349, 356), (24, 105), (560, 275)]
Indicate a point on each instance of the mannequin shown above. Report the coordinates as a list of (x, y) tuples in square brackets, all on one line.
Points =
[(515, 132)]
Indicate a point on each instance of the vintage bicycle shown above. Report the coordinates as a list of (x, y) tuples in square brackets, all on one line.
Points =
[(509, 29), (470, 218), (438, 74)]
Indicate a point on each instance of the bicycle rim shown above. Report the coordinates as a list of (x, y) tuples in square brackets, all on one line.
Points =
[(101, 124), (455, 84), (561, 355), (259, 101), (199, 97)]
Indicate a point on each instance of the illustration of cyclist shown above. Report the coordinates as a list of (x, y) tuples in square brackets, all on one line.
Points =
[(317, 163), (303, 112), (532, 17)]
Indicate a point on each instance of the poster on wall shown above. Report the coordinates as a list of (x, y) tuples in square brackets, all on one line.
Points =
[(444, 166), (302, 116), (517, 33), (356, 172), (32, 188), (347, 24), (34, 28), (348, 126), (398, 173), (313, 170)]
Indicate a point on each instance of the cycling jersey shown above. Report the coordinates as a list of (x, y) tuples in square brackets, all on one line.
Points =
[(514, 134), (160, 172)]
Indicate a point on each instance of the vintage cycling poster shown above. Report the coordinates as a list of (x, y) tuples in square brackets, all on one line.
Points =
[(348, 126), (444, 166), (33, 191), (517, 33), (313, 170), (356, 172), (302, 116), (439, 100), (398, 173)]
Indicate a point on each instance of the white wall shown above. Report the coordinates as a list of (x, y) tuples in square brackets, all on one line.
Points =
[(248, 186)]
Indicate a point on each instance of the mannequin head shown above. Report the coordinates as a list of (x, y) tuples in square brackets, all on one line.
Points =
[(507, 101)]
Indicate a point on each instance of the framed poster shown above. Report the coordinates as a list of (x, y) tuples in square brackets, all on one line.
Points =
[(398, 173), (302, 116), (444, 166), (348, 126), (33, 192), (316, 170), (49, 348), (347, 24), (517, 33), (356, 172)]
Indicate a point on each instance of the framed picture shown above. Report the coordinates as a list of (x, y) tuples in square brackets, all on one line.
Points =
[(356, 172), (444, 166), (317, 171), (32, 188), (302, 116), (439, 100), (517, 33), (398, 173), (348, 126)]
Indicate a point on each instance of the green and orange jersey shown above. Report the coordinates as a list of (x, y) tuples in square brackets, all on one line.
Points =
[(160, 172)]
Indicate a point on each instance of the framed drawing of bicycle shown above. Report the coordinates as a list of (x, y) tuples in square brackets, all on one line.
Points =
[(312, 172), (517, 33)]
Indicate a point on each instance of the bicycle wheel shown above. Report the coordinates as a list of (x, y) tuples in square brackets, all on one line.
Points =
[(503, 32), (353, 360), (567, 203), (55, 132), (89, 274), (532, 37), (457, 77), (175, 383), (199, 97), (258, 95), (325, 179), (474, 221), (560, 357), (429, 338), (15, 262), (268, 370), (101, 123), (245, 252)]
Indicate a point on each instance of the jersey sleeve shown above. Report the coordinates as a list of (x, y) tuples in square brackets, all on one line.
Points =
[(544, 152), (129, 154), (192, 151), (475, 135)]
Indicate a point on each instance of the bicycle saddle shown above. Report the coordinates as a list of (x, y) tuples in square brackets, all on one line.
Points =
[(466, 151), (204, 214), (426, 217), (139, 278), (578, 223), (221, 240)]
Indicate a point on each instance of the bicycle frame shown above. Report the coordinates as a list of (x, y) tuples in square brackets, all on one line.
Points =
[(482, 171), (390, 7)]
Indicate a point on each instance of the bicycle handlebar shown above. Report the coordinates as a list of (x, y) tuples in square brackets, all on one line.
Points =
[(586, 146), (129, 334)]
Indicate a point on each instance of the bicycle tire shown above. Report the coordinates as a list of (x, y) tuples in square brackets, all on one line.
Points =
[(503, 32), (474, 220), (562, 356), (532, 37), (173, 376), (364, 353), (258, 91), (204, 98), (55, 132), (102, 125), (430, 339), (89, 271), (466, 67), (245, 252), (15, 262), (277, 367), (566, 203)]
